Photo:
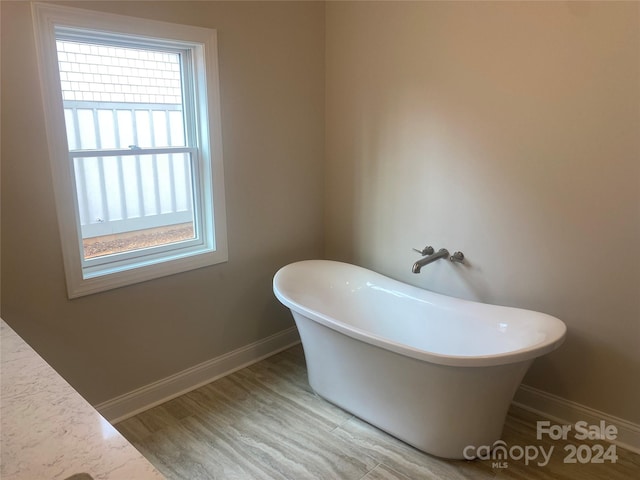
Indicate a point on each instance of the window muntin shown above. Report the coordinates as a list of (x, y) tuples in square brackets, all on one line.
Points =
[(133, 126)]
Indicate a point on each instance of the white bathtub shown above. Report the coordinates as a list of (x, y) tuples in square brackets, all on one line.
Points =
[(434, 371)]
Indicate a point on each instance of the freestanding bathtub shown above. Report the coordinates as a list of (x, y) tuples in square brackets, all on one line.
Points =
[(434, 371)]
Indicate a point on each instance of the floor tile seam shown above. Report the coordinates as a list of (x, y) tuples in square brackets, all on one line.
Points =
[(341, 424), (370, 471), (362, 450)]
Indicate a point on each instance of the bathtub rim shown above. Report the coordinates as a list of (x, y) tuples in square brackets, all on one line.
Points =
[(519, 355)]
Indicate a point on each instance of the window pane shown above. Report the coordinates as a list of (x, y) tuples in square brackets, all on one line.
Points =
[(142, 88), (124, 122), (132, 202), (159, 128), (86, 129), (105, 127), (176, 129), (143, 128)]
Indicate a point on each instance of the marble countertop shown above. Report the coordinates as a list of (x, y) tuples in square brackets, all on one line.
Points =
[(49, 431)]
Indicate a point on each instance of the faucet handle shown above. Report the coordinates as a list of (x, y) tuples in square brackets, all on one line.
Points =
[(457, 257), (425, 251)]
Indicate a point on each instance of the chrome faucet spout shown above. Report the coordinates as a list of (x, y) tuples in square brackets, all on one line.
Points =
[(442, 253)]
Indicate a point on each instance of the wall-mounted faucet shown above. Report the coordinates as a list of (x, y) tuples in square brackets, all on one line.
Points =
[(442, 253), (429, 256)]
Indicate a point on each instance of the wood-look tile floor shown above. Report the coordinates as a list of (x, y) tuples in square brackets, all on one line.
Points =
[(265, 422)]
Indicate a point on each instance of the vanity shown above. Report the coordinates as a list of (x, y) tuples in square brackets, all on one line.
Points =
[(49, 431)]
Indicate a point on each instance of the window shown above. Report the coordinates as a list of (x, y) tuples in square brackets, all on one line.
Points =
[(133, 128)]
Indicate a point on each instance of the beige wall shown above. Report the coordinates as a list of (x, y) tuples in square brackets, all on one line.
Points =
[(272, 86), (509, 131)]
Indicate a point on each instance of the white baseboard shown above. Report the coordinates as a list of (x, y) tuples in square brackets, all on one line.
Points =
[(143, 398), (562, 411)]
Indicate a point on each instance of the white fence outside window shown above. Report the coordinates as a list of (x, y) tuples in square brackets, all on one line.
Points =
[(130, 192)]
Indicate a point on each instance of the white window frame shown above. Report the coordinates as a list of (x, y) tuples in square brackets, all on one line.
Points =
[(84, 278)]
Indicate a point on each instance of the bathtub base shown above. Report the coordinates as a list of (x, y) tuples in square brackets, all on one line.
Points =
[(438, 409)]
